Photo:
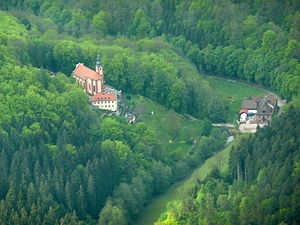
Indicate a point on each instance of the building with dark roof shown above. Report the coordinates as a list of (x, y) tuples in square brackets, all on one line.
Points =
[(257, 111), (250, 103), (266, 107)]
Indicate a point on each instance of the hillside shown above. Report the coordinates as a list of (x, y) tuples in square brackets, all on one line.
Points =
[(175, 133), (258, 187), (173, 194), (61, 162)]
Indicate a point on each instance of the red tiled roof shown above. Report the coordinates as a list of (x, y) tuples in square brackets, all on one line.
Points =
[(84, 72), (103, 96), (244, 111)]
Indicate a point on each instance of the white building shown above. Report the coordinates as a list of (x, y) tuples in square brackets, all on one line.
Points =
[(105, 100)]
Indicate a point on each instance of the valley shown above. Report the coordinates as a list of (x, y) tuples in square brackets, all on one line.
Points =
[(128, 112)]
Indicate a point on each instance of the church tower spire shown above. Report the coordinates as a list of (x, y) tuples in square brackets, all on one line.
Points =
[(98, 61), (99, 70)]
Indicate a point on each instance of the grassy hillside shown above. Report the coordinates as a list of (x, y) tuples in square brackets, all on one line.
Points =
[(159, 204), (173, 131), (233, 93), (175, 193)]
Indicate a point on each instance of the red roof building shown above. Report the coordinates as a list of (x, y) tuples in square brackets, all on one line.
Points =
[(105, 101), (92, 81), (104, 97), (84, 72)]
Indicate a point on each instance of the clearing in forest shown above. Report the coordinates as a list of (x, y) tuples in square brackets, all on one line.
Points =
[(174, 132), (232, 93)]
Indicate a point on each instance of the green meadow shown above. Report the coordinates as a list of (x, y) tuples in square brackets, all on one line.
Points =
[(174, 132), (232, 93)]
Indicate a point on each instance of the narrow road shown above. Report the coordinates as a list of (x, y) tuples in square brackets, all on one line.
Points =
[(228, 125)]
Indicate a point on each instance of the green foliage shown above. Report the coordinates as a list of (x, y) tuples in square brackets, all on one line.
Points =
[(10, 29), (65, 159), (263, 178), (111, 215), (140, 25), (99, 23), (217, 37), (66, 55)]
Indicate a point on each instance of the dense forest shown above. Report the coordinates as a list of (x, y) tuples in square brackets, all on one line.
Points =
[(253, 40), (61, 163)]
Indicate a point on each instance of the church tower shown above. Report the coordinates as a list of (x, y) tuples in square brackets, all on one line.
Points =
[(99, 68)]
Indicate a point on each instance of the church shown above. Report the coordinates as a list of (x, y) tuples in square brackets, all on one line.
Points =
[(103, 96)]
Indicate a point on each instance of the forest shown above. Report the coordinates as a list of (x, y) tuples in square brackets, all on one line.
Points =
[(253, 40), (61, 163)]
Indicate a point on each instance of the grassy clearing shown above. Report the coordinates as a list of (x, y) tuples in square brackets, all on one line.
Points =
[(159, 204), (233, 93), (218, 161), (173, 131)]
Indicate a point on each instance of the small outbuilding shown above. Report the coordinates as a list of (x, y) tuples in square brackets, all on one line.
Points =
[(243, 117)]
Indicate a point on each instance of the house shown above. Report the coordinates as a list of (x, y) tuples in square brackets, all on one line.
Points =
[(257, 111), (266, 107), (249, 109), (105, 100), (102, 96)]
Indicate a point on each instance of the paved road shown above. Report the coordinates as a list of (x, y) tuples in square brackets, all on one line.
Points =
[(228, 125)]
